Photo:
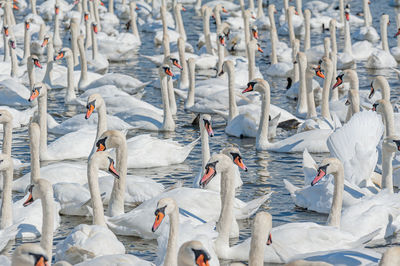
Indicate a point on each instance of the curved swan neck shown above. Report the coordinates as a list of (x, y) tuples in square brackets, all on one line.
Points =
[(325, 92), (206, 29), (184, 82), (233, 110), (133, 21), (6, 204), (7, 138), (116, 205), (192, 83), (262, 133), (384, 22), (46, 241), (307, 35), (168, 121), (171, 257), (97, 204), (382, 84), (336, 208), (179, 21)]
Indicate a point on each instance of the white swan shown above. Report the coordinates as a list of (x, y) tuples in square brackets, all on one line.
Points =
[(192, 251), (29, 254), (89, 241), (381, 57), (314, 140), (179, 233)]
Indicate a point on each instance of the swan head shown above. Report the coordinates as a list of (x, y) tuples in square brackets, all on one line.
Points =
[(102, 160), (93, 101), (12, 42), (327, 166), (205, 122), (30, 254), (253, 44), (391, 143), (381, 105), (165, 70), (221, 39), (45, 41), (5, 162), (258, 85), (27, 24), (272, 9), (236, 156), (325, 63), (35, 61), (110, 139), (385, 19), (193, 253), (218, 163), (179, 7), (347, 76), (254, 31), (56, 9), (165, 207), (5, 117), (6, 30), (95, 28), (63, 53), (227, 67), (37, 190), (175, 62), (39, 89), (263, 222)]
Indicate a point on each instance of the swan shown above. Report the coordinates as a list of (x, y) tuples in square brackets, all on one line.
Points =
[(89, 241), (178, 234), (381, 57), (29, 254), (346, 58), (395, 51), (193, 251), (366, 212), (366, 32), (307, 242), (150, 119), (314, 140), (60, 148)]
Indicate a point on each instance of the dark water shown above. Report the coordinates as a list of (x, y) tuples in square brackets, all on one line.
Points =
[(266, 169)]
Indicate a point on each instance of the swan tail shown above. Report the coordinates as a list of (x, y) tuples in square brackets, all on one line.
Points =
[(252, 206), (273, 124), (290, 187)]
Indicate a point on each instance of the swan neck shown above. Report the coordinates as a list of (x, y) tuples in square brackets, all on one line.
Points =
[(83, 62), (6, 57), (302, 95), (27, 44), (168, 121), (133, 22), (225, 219), (116, 205), (334, 93), (184, 72), (307, 33), (42, 109), (179, 21), (6, 204), (262, 134), (347, 39), (192, 83), (205, 147), (46, 241), (35, 159), (111, 6), (171, 96), (274, 58), (7, 138), (332, 30), (260, 11), (233, 110), (388, 118), (311, 111), (97, 204), (336, 208), (88, 35), (172, 247), (221, 56), (94, 45), (246, 24), (341, 11), (290, 27), (387, 168), (206, 30), (251, 61), (70, 95), (31, 72), (74, 42), (385, 45), (383, 85), (14, 63), (325, 92)]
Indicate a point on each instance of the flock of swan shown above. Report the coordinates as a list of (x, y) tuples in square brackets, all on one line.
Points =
[(356, 131)]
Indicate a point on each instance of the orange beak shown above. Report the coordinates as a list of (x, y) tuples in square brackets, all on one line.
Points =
[(249, 88), (201, 261), (95, 29), (159, 218), (101, 148), (57, 10), (222, 40), (259, 49), (347, 16), (320, 175), (45, 41), (207, 176), (37, 63), (41, 262), (15, 7), (137, 8), (27, 25), (269, 241), (296, 13), (209, 129), (59, 56), (338, 83), (34, 95), (255, 34), (372, 92), (89, 111), (178, 65), (224, 10), (169, 72), (29, 201), (239, 162), (183, 9), (319, 73), (101, 3), (6, 32), (86, 17), (112, 170)]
